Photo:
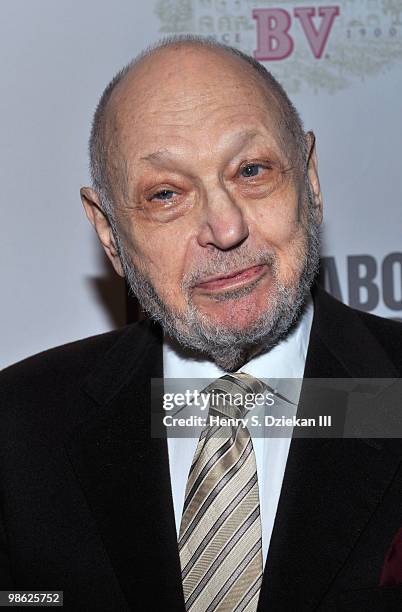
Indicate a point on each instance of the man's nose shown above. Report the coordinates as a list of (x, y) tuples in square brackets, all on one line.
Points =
[(223, 224)]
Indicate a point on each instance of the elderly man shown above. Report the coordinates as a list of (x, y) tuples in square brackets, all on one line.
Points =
[(206, 198)]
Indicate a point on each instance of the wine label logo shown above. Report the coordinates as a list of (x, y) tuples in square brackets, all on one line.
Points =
[(307, 45)]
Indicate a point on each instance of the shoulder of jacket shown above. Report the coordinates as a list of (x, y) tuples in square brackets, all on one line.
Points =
[(71, 360)]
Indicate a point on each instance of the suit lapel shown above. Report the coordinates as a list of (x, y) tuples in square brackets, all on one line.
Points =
[(331, 487), (125, 473)]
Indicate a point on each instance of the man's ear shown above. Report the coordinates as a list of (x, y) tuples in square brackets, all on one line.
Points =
[(100, 222), (312, 172)]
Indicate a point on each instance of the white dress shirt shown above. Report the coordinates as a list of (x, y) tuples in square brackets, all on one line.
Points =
[(284, 361)]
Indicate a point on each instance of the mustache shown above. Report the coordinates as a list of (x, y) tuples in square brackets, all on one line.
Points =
[(222, 263)]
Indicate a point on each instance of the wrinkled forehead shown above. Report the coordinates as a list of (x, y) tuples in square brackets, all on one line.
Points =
[(188, 97)]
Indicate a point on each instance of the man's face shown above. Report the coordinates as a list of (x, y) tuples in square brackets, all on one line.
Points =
[(214, 213)]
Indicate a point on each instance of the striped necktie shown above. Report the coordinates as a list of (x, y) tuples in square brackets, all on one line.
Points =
[(220, 531)]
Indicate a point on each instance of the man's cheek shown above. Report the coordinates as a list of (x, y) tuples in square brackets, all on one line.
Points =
[(168, 287)]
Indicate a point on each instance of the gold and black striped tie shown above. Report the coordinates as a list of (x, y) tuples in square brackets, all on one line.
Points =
[(220, 532)]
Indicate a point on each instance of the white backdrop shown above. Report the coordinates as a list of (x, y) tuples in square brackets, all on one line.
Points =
[(345, 77)]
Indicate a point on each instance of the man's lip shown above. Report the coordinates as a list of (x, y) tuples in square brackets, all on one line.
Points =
[(232, 278)]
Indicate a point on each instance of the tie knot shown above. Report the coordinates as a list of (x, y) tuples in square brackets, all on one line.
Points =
[(232, 394)]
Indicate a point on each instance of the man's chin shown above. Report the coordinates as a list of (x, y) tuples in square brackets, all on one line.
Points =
[(235, 312)]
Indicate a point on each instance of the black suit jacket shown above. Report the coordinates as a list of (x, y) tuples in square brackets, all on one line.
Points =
[(86, 504)]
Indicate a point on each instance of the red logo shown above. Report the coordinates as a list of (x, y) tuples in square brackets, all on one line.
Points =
[(273, 24)]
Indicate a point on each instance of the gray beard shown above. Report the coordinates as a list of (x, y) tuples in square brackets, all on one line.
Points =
[(231, 348)]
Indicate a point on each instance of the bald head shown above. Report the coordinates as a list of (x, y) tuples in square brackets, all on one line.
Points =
[(173, 81)]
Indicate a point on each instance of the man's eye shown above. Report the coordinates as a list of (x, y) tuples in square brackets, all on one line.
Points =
[(164, 194), (251, 170)]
